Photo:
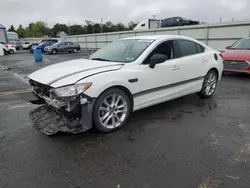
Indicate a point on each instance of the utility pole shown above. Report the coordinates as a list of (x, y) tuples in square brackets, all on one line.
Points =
[(101, 26), (69, 28)]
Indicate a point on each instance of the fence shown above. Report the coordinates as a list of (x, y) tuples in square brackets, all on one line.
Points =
[(216, 36)]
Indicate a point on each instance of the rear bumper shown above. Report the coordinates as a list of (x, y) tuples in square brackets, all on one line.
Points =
[(53, 117)]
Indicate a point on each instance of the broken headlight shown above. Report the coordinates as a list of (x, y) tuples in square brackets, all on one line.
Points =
[(72, 90)]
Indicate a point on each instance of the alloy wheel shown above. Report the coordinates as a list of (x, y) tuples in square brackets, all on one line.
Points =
[(113, 111), (210, 84)]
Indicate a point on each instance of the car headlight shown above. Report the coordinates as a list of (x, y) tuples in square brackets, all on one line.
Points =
[(72, 90)]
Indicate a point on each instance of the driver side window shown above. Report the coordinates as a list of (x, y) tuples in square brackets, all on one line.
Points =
[(164, 49)]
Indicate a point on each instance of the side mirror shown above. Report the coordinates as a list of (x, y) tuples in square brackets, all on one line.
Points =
[(156, 59), (228, 47)]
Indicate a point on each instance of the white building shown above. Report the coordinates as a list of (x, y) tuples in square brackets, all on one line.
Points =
[(61, 34)]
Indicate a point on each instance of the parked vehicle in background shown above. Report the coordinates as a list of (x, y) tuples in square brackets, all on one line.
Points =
[(17, 44), (43, 45), (12, 49), (27, 45), (8, 48), (177, 21), (63, 47), (237, 57), (5, 47), (124, 76), (168, 22)]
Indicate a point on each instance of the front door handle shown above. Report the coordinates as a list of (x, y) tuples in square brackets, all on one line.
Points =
[(175, 68)]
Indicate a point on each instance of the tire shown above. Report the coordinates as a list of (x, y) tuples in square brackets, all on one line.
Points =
[(209, 85), (12, 51), (107, 115), (54, 51), (75, 50), (5, 52)]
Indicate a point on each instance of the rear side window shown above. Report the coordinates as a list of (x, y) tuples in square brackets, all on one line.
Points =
[(200, 49), (188, 47)]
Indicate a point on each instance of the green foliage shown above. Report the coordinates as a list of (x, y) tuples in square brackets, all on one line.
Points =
[(12, 28), (40, 29)]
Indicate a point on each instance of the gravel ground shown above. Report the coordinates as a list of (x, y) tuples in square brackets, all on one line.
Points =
[(184, 143)]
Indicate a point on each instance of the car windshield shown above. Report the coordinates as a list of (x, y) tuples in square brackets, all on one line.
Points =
[(241, 44), (126, 50), (57, 43), (42, 43)]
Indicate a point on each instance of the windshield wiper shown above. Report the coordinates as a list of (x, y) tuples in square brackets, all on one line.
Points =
[(100, 59)]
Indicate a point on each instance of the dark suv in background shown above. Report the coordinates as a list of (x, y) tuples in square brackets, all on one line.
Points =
[(177, 21)]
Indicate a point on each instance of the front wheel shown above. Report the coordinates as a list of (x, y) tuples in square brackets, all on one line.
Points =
[(54, 51), (209, 84), (12, 51), (111, 110)]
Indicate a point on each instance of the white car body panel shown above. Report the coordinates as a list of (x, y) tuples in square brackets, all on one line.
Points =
[(172, 79), (71, 69)]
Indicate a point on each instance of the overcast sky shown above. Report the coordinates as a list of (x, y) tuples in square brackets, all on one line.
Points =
[(77, 11)]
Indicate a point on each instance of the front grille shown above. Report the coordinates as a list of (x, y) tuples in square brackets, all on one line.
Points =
[(40, 89), (235, 65)]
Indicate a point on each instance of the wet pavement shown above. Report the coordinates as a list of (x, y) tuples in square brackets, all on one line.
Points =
[(184, 143)]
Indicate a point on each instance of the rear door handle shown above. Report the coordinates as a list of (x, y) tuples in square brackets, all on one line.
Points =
[(175, 68), (204, 60)]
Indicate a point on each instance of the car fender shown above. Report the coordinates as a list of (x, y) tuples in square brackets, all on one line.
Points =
[(103, 81)]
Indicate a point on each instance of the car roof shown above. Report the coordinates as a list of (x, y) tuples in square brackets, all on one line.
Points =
[(156, 37)]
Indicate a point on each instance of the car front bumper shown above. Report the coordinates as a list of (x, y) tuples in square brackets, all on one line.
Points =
[(237, 71), (54, 115)]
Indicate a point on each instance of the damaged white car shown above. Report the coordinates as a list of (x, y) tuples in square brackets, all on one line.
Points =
[(124, 76)]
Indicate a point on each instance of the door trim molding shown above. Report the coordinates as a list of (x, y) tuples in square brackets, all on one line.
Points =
[(166, 86)]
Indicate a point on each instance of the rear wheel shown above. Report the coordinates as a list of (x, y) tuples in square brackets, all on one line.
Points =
[(74, 50), (209, 85), (12, 51), (111, 110)]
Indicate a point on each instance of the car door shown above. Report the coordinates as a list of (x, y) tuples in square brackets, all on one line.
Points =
[(61, 47), (70, 46), (191, 68), (160, 83)]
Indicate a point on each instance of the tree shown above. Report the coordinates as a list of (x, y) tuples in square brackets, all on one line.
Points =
[(38, 29), (20, 31), (12, 28), (77, 30), (57, 28), (132, 25)]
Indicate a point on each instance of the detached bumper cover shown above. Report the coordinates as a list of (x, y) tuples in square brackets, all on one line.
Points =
[(50, 120)]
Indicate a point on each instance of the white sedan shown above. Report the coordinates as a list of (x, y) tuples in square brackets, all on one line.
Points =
[(124, 76)]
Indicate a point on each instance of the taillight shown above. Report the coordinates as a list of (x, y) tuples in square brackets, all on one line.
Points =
[(6, 46)]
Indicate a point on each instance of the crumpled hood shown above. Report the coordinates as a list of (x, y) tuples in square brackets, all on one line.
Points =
[(70, 72), (236, 55)]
